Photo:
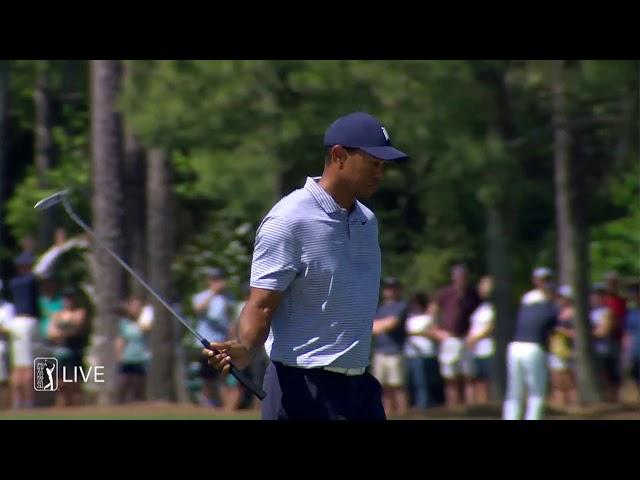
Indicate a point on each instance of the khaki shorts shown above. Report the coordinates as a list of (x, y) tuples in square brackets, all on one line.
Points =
[(452, 358), (23, 330), (389, 369)]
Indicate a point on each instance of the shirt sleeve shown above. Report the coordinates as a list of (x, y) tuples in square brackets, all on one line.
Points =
[(276, 256), (198, 298), (146, 317), (7, 312), (46, 262)]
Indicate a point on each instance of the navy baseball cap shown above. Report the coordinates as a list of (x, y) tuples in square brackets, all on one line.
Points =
[(214, 272), (363, 131), (25, 259), (391, 282)]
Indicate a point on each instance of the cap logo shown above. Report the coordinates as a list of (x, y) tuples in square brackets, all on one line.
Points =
[(386, 135)]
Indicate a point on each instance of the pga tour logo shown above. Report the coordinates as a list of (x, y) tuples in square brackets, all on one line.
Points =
[(45, 374)]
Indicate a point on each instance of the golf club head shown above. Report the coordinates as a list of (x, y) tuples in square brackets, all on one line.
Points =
[(51, 200)]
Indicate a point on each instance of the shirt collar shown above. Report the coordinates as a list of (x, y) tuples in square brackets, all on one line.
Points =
[(328, 203)]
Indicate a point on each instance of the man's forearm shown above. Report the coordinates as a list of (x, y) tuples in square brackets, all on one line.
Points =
[(202, 306), (254, 324), (485, 333), (386, 324)]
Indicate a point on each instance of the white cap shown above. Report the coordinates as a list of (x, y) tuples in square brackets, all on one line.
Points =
[(565, 291), (542, 272)]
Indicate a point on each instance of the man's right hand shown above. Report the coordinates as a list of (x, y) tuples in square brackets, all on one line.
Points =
[(230, 351), (441, 334)]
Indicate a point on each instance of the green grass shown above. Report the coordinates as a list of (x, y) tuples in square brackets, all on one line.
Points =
[(122, 413), (44, 416)]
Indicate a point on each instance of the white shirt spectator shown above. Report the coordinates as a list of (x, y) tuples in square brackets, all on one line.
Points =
[(7, 312), (416, 345), (214, 324), (482, 319)]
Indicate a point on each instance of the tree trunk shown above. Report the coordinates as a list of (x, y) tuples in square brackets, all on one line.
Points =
[(561, 148), (498, 235), (44, 147), (135, 221), (4, 147), (107, 216), (573, 235), (160, 255), (498, 260)]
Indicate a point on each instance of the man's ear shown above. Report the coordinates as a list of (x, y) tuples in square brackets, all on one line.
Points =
[(339, 154)]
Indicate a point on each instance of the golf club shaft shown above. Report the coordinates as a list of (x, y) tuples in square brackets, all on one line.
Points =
[(234, 370), (126, 267)]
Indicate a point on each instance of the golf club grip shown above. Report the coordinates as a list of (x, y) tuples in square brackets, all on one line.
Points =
[(242, 378)]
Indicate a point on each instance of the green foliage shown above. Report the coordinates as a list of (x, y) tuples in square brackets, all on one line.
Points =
[(615, 245), (429, 269), (72, 172), (226, 242), (23, 219), (243, 133)]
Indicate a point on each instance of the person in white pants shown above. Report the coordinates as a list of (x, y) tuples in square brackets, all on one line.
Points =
[(526, 354), (7, 312)]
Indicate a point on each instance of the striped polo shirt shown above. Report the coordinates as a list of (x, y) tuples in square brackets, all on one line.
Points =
[(326, 261)]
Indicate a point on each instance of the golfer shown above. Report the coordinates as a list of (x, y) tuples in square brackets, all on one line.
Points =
[(527, 352), (315, 283)]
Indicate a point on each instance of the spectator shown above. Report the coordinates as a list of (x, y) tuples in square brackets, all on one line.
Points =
[(49, 301), (479, 342), (67, 333), (215, 315), (7, 312), (132, 352), (618, 306), (421, 353), (632, 336), (616, 303), (23, 329), (604, 341), (526, 356), (563, 382), (453, 307), (388, 360)]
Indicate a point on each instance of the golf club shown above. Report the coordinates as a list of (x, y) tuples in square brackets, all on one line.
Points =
[(62, 197)]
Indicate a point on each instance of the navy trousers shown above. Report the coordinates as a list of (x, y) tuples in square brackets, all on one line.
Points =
[(316, 394)]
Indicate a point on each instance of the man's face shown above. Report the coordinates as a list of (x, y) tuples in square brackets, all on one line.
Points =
[(134, 307), (363, 173), (216, 285), (542, 283), (563, 301), (27, 243), (68, 302), (390, 293), (24, 269), (59, 236), (459, 277)]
